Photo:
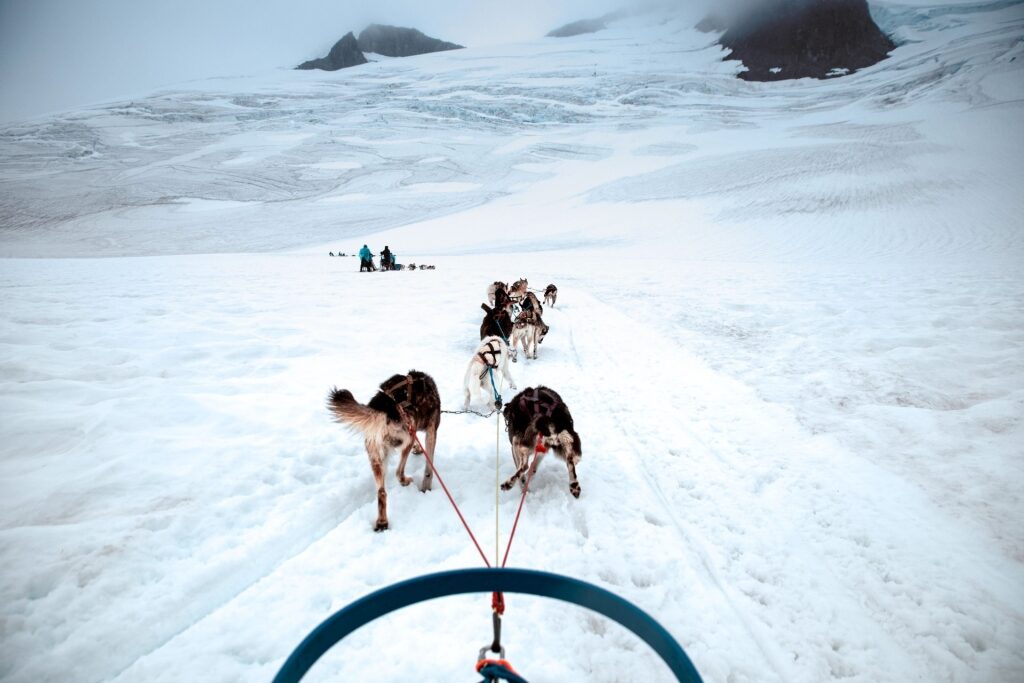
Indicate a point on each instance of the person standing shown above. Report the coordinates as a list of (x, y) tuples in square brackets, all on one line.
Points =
[(365, 259), (386, 259)]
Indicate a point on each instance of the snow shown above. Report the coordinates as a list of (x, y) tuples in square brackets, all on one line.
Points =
[(789, 329)]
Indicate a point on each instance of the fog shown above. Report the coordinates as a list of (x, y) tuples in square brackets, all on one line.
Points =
[(62, 54)]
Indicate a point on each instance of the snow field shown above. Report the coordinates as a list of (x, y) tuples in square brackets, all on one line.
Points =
[(237, 502), (789, 330)]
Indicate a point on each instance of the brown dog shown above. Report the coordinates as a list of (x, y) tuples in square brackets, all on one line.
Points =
[(528, 332), (404, 404), (538, 419), (550, 295), (518, 289)]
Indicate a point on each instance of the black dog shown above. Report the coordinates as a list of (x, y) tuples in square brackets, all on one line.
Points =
[(538, 419), (497, 322)]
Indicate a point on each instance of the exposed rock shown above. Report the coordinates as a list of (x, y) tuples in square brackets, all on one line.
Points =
[(345, 53), (395, 41), (779, 39), (592, 25), (577, 28)]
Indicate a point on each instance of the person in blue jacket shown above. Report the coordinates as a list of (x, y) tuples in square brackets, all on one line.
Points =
[(365, 259)]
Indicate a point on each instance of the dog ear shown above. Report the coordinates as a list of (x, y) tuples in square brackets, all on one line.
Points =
[(487, 309)]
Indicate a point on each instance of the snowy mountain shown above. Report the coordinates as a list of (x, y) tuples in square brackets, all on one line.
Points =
[(789, 329)]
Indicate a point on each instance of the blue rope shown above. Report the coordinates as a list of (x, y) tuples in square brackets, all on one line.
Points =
[(495, 672), (497, 396), (501, 333), (460, 581)]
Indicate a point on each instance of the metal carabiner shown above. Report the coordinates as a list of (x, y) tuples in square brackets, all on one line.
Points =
[(495, 645), (483, 651)]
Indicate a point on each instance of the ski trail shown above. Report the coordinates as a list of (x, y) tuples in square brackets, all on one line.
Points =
[(704, 506), (772, 512), (599, 356), (592, 538), (317, 523)]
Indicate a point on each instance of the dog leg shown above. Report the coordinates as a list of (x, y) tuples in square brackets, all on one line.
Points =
[(571, 447), (520, 455), (469, 382), (400, 473), (377, 465), (574, 484), (428, 471), (520, 463), (533, 467), (508, 375)]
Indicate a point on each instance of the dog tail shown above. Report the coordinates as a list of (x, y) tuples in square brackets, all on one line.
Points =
[(350, 412)]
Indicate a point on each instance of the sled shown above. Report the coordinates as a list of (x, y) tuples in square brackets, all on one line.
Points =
[(460, 581)]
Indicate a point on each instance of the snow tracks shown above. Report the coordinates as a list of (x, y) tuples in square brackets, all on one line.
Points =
[(771, 553)]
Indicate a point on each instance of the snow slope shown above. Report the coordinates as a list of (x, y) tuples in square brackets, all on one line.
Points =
[(789, 328)]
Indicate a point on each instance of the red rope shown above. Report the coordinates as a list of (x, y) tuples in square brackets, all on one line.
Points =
[(538, 449), (498, 602), (433, 469), (497, 598)]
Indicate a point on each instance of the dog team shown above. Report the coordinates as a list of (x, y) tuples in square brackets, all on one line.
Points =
[(537, 418)]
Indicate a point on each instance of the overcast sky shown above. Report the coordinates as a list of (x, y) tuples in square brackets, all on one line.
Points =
[(61, 54)]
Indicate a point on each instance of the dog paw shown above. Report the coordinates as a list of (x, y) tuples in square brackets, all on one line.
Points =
[(425, 487), (574, 489), (405, 481), (381, 525), (416, 450), (506, 486)]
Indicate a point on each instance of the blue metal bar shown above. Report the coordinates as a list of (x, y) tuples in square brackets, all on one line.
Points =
[(459, 581)]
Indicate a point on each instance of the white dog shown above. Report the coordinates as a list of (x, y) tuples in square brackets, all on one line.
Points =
[(491, 356)]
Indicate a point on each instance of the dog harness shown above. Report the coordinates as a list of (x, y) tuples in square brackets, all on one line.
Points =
[(493, 350), (527, 317), (538, 402), (402, 392)]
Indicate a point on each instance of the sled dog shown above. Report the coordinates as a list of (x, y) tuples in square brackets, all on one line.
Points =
[(518, 289), (528, 332), (530, 302), (496, 323), (405, 403), (493, 289), (538, 420), (550, 295), (491, 357)]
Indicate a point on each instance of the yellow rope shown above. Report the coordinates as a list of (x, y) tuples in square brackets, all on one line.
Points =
[(497, 479), (497, 487)]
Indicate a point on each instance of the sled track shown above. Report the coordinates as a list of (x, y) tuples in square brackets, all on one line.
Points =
[(639, 470), (333, 516)]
